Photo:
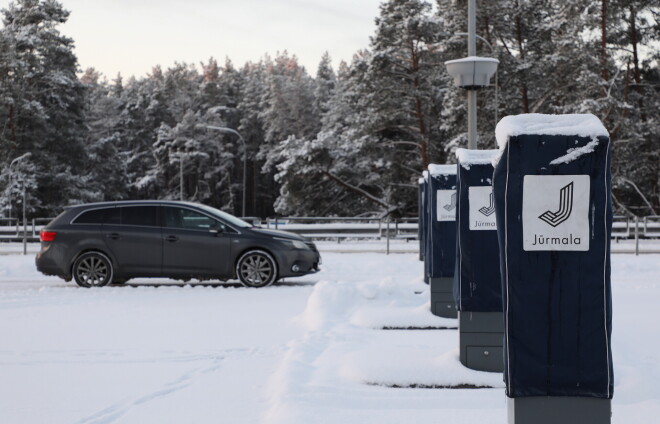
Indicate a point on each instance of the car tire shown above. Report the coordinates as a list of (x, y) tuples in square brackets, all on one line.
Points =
[(92, 269), (256, 268)]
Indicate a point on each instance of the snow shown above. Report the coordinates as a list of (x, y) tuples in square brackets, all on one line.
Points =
[(472, 59), (572, 154), (437, 170), (309, 350), (468, 157), (579, 125)]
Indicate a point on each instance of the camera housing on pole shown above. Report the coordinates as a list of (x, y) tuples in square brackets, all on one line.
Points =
[(473, 72)]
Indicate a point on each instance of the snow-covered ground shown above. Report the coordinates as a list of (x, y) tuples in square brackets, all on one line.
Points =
[(309, 350)]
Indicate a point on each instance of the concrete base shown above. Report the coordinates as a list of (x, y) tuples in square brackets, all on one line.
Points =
[(442, 297), (559, 410), (481, 337)]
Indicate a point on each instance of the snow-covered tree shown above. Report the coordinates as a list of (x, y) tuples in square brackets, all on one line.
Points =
[(43, 100)]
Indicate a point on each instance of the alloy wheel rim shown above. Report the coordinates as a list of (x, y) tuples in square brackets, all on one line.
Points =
[(92, 271), (256, 270)]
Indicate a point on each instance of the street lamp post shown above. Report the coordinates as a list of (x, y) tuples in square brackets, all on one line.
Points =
[(24, 221), (472, 94), (236, 133), (492, 50), (179, 155), (181, 176), (472, 73), (22, 181)]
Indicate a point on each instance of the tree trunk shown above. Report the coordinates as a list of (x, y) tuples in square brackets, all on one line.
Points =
[(523, 84), (634, 40), (357, 190), (603, 41), (423, 143)]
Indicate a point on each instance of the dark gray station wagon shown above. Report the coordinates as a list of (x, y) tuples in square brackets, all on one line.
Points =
[(101, 243)]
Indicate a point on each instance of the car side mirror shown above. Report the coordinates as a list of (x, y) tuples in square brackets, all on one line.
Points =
[(216, 229)]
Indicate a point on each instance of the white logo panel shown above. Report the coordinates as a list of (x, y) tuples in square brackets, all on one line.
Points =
[(446, 207), (556, 212), (482, 208)]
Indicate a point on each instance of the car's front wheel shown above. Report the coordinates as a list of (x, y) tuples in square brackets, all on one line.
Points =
[(256, 268), (92, 269)]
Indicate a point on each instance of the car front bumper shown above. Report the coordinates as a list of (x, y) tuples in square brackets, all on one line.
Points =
[(295, 263)]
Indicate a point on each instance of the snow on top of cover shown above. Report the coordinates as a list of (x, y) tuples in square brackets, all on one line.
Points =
[(421, 180), (580, 125), (468, 157), (473, 59), (425, 175), (435, 169), (572, 154)]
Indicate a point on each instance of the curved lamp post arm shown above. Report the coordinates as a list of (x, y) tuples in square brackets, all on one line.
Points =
[(240, 137)]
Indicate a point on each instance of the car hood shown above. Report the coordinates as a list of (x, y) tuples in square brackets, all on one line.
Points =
[(278, 233)]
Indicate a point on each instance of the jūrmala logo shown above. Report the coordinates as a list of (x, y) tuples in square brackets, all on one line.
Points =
[(452, 204), (488, 211), (565, 207)]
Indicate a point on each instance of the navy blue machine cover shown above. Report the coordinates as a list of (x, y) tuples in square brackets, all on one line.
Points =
[(441, 235), (421, 201), (556, 286), (425, 224), (477, 286)]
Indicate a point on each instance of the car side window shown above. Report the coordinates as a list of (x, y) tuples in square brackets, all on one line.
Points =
[(174, 217), (144, 216), (94, 216)]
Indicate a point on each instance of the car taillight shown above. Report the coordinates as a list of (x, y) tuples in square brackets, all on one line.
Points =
[(47, 235)]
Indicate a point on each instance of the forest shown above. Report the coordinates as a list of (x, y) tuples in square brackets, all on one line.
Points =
[(350, 141)]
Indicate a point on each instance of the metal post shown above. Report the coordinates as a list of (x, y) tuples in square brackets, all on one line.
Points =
[(244, 172), (496, 99), (472, 94), (388, 236), (24, 223), (636, 235), (181, 176), (240, 137)]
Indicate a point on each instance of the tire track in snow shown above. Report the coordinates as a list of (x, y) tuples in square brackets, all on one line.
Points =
[(114, 412)]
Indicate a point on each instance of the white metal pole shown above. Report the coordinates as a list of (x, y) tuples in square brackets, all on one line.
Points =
[(636, 235), (181, 176), (244, 173), (472, 94), (24, 223), (388, 235)]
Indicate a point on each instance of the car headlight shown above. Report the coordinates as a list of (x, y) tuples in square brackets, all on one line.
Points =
[(295, 243)]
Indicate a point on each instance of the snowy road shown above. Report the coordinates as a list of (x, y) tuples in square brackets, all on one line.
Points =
[(309, 350)]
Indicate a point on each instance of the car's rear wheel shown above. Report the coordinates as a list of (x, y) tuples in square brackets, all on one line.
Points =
[(92, 269), (256, 268)]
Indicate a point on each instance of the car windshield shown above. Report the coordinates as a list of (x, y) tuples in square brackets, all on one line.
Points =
[(226, 217)]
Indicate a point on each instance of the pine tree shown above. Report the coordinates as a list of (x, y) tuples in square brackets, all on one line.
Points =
[(45, 101)]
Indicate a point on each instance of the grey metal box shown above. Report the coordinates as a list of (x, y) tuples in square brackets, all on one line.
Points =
[(442, 297), (481, 337), (485, 358), (559, 410)]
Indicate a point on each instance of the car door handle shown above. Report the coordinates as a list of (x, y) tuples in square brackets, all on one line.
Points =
[(171, 238), (113, 236)]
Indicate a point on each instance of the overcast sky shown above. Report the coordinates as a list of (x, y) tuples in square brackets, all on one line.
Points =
[(131, 36)]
